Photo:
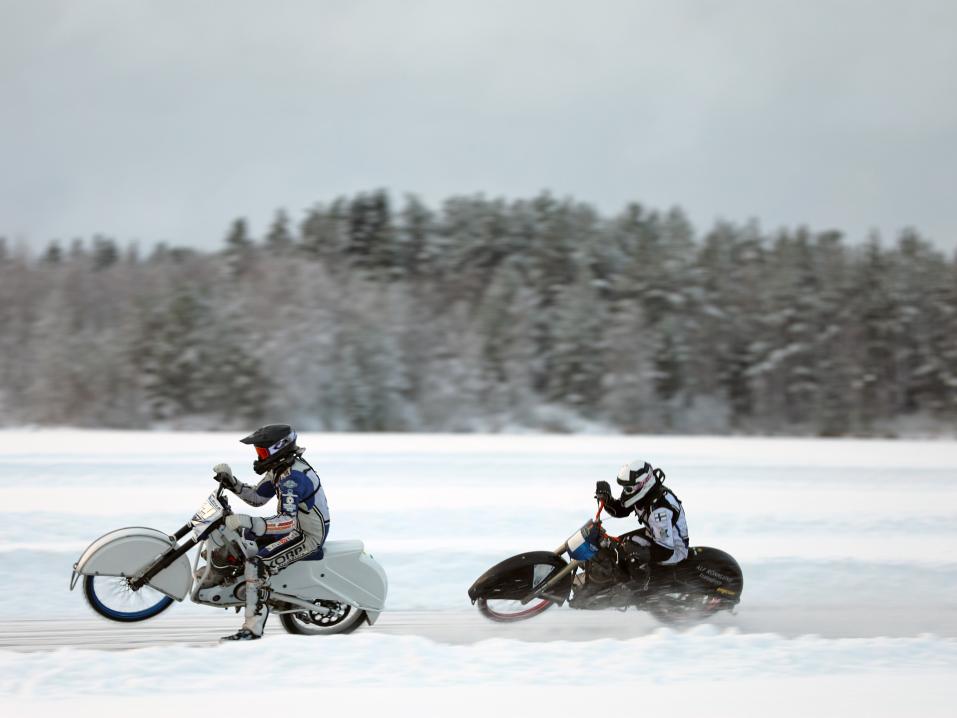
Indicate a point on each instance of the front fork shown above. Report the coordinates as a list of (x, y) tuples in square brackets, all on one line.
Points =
[(564, 571), (170, 556), (165, 560)]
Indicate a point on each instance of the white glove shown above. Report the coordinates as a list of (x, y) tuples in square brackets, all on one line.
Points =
[(224, 475), (242, 521)]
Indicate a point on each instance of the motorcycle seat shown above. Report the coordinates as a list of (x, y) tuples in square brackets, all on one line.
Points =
[(335, 548)]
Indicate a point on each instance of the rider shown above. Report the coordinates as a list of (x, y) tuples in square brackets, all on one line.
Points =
[(662, 540), (298, 529)]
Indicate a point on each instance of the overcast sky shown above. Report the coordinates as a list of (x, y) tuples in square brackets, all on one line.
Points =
[(165, 120)]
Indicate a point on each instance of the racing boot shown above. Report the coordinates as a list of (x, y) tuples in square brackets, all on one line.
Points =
[(256, 609), (253, 626), (243, 634)]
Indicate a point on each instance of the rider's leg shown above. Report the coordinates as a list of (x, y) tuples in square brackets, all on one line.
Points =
[(256, 613), (284, 552), (260, 564), (636, 556), (256, 609)]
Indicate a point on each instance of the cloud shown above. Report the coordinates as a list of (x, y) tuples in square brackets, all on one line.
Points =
[(166, 120)]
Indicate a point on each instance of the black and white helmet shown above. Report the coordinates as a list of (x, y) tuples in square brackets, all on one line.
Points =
[(275, 445), (637, 479)]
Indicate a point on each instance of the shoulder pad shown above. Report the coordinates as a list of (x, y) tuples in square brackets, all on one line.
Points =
[(661, 502)]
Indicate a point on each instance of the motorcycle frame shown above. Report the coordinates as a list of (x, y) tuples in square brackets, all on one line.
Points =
[(234, 602), (572, 565)]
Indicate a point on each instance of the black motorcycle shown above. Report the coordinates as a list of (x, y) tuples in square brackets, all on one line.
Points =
[(596, 577)]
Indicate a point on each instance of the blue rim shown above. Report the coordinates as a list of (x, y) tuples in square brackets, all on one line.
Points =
[(101, 607)]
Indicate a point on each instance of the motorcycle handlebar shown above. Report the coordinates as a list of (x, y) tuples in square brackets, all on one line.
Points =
[(601, 507), (221, 497)]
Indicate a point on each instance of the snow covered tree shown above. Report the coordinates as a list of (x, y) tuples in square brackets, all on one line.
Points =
[(53, 253), (370, 231), (105, 252), (279, 239), (485, 313), (324, 232), (237, 238), (173, 356), (416, 225), (875, 309), (576, 362)]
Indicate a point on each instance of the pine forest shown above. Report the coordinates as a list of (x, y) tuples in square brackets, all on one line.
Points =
[(377, 313)]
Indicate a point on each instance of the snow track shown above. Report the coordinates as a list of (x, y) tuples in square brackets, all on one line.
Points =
[(468, 627), (847, 549)]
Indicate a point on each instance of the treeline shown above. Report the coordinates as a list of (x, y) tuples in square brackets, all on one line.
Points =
[(484, 314)]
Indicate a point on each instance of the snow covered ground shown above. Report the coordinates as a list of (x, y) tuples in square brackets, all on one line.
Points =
[(848, 549)]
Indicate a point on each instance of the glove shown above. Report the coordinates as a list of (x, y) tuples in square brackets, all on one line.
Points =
[(224, 475), (237, 522), (602, 491)]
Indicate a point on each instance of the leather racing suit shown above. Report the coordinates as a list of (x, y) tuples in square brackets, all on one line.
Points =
[(302, 523), (662, 539), (297, 530)]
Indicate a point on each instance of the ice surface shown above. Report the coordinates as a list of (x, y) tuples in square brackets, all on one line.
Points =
[(852, 540)]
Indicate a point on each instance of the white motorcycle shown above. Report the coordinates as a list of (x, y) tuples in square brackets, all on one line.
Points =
[(135, 573)]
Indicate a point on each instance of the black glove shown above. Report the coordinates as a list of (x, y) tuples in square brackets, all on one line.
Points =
[(224, 475), (602, 491)]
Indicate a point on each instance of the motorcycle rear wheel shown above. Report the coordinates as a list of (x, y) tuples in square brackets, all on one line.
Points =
[(683, 608), (343, 619), (112, 598)]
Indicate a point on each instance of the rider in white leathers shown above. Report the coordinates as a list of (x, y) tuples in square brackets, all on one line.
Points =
[(295, 532), (663, 538)]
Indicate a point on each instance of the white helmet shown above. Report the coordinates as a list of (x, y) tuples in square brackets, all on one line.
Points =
[(636, 480)]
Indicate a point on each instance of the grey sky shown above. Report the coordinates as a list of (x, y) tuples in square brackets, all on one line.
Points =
[(165, 120)]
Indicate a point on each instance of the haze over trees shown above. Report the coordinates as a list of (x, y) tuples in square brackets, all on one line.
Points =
[(485, 314)]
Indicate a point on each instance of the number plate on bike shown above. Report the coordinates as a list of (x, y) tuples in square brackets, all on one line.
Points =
[(583, 544), (211, 510)]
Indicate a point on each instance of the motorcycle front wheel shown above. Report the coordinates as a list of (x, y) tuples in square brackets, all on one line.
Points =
[(342, 618), (498, 592), (505, 611), (112, 598)]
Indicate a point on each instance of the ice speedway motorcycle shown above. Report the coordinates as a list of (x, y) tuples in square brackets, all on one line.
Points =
[(707, 582), (135, 573)]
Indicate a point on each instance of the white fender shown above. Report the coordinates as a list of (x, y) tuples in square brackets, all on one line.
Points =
[(346, 573), (125, 552)]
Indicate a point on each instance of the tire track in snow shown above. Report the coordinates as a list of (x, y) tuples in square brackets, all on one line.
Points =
[(467, 627)]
